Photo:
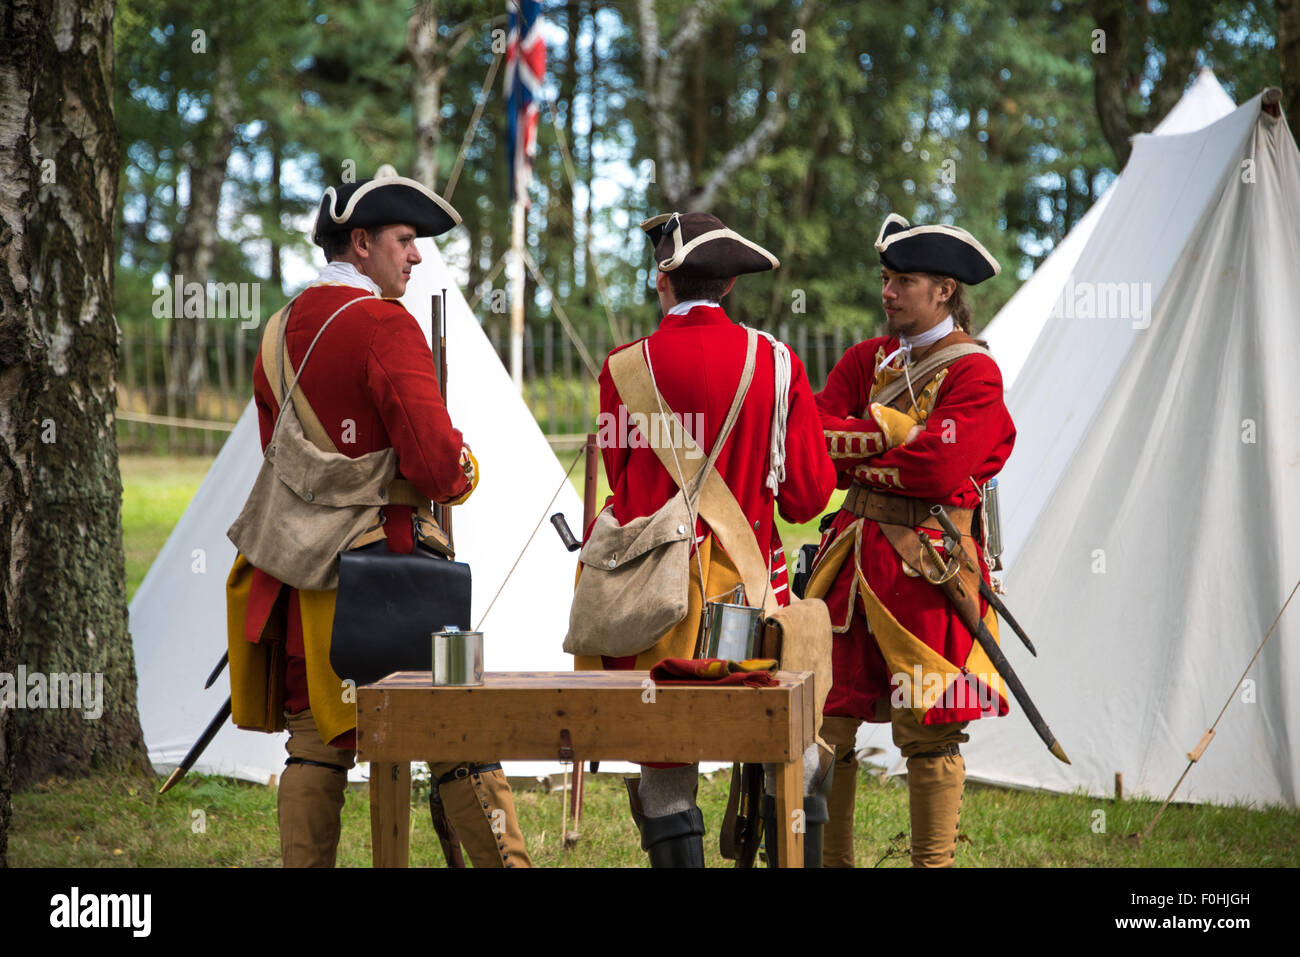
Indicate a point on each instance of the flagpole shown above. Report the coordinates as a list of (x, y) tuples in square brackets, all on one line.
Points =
[(517, 298)]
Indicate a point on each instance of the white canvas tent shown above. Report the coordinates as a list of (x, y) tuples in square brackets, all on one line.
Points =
[(178, 615), (1155, 479), (1014, 330)]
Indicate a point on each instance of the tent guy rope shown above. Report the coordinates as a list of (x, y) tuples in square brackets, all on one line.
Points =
[(545, 512), (1195, 754)]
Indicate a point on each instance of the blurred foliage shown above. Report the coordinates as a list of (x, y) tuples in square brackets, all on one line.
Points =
[(980, 113)]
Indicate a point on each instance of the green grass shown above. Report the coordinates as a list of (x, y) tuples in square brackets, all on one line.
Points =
[(155, 491), (106, 821)]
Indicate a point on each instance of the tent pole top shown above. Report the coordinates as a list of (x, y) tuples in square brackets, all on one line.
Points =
[(1271, 101)]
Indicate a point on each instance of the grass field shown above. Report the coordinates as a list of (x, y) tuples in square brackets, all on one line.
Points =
[(214, 822), (155, 491)]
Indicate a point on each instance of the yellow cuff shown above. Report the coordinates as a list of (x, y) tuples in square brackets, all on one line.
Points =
[(894, 424), (468, 465)]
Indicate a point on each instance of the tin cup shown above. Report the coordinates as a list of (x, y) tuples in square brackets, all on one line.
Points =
[(457, 657), (732, 631)]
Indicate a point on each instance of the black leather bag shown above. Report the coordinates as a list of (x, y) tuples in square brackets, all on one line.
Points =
[(388, 608)]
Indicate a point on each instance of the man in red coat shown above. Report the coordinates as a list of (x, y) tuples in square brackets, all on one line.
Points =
[(371, 383), (900, 653), (774, 456)]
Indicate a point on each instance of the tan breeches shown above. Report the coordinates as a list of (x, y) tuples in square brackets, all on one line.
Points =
[(480, 806)]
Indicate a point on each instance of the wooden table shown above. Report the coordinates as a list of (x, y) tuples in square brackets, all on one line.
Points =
[(577, 716)]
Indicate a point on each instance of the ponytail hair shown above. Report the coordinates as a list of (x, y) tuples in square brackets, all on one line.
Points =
[(957, 304)]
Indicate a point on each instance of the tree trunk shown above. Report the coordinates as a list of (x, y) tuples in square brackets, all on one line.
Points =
[(24, 45), (195, 244), (1110, 80), (779, 304), (426, 91), (277, 214), (568, 93), (1288, 48), (73, 602), (589, 163), (682, 187)]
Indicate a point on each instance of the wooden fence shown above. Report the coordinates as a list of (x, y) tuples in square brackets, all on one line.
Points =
[(564, 398)]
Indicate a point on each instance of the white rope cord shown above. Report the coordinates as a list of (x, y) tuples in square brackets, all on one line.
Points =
[(780, 411), (549, 505), (501, 262), (1195, 754)]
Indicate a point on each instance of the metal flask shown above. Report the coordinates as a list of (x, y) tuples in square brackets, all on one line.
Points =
[(457, 657), (993, 515), (732, 629)]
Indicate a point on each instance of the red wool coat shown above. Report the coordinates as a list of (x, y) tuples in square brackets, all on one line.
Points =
[(968, 437), (372, 384), (697, 360)]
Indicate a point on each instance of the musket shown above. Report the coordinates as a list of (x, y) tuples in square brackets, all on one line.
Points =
[(968, 610), (438, 341), (442, 826), (205, 739)]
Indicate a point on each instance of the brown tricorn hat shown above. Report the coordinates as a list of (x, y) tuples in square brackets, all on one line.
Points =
[(700, 245)]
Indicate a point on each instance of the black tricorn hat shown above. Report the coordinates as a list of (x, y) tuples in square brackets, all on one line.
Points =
[(382, 201), (699, 244), (946, 250)]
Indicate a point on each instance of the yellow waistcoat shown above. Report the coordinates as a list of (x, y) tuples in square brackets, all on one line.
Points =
[(257, 669)]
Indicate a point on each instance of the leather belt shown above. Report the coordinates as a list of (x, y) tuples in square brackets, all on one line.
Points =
[(950, 751), (900, 510), (315, 764), (465, 770)]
